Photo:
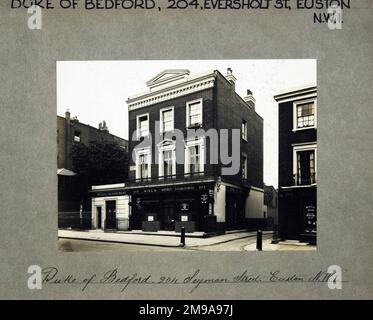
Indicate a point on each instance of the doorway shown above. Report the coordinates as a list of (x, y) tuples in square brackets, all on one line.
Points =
[(168, 217), (111, 214), (99, 217)]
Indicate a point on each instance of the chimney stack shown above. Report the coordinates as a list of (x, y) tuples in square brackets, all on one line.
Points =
[(231, 78), (103, 127), (249, 99), (67, 115)]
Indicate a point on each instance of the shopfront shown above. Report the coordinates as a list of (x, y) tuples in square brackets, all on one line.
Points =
[(110, 207), (298, 214), (168, 206)]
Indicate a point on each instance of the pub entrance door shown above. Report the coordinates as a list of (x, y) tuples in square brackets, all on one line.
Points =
[(168, 217), (99, 217), (111, 214)]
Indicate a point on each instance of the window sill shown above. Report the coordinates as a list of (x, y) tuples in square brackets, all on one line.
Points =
[(306, 128), (192, 126)]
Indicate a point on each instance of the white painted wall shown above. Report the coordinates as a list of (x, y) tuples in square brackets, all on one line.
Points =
[(122, 211), (255, 204), (219, 203)]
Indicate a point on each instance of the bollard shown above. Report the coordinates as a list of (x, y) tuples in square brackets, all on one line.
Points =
[(182, 237), (259, 240)]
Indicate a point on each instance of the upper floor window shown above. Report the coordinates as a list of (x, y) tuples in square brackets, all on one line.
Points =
[(194, 113), (194, 156), (167, 162), (244, 130), (77, 136), (167, 158), (167, 119), (194, 159), (143, 125), (244, 166), (143, 162), (304, 115), (304, 168)]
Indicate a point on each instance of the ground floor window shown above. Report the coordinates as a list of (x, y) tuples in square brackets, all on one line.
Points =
[(169, 209)]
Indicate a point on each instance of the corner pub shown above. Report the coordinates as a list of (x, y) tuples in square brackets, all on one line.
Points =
[(164, 194)]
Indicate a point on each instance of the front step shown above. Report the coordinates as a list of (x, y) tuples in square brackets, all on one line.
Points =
[(308, 237)]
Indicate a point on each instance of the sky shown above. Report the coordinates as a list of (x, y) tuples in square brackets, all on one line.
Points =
[(94, 91)]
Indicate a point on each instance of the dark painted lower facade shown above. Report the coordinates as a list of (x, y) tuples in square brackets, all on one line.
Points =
[(169, 205), (191, 206), (297, 213), (208, 206)]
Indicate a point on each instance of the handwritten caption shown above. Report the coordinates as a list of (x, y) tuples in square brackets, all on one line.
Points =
[(194, 279)]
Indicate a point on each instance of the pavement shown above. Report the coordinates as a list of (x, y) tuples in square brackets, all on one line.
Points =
[(92, 240), (152, 240), (288, 245)]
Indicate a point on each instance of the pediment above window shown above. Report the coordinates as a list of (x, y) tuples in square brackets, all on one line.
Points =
[(166, 143), (167, 77)]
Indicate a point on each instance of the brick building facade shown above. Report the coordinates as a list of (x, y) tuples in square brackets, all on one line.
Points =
[(165, 194), (298, 164), (71, 132)]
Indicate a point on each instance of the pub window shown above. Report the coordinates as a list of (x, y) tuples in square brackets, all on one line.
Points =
[(143, 125), (77, 136), (244, 167), (306, 167), (194, 159), (168, 162), (167, 158), (194, 113), (244, 130), (167, 119), (143, 160), (304, 115)]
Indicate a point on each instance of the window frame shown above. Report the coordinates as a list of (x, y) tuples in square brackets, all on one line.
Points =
[(244, 133), (188, 104), (148, 153), (77, 136), (161, 130), (171, 146), (192, 143), (295, 113), (138, 131), (300, 148), (244, 155)]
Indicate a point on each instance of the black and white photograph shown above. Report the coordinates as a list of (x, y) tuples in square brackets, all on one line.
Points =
[(217, 155), (184, 157)]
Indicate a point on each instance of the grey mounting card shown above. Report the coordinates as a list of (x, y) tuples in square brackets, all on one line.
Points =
[(276, 71)]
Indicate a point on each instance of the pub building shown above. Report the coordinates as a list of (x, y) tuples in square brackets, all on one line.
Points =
[(196, 193), (297, 171)]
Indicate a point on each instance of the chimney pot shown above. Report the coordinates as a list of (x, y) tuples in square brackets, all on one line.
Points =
[(249, 99), (231, 78), (67, 114)]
